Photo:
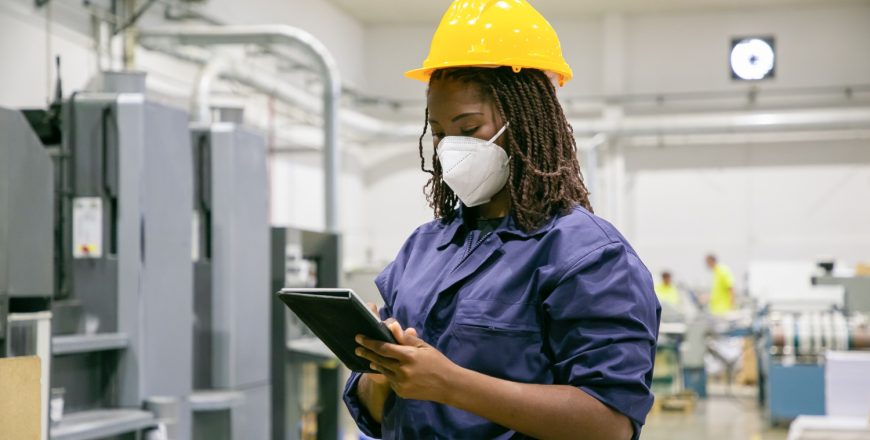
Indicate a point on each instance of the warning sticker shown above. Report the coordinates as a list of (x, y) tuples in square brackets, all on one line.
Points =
[(87, 215)]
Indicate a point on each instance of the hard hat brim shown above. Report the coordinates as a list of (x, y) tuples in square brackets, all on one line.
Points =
[(423, 74)]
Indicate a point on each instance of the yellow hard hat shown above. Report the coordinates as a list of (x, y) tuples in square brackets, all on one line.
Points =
[(494, 33)]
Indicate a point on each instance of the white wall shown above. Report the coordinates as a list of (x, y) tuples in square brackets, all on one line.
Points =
[(297, 200), (815, 46), (395, 205), (796, 201), (25, 60)]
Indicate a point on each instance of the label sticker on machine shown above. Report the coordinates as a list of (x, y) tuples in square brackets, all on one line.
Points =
[(87, 216)]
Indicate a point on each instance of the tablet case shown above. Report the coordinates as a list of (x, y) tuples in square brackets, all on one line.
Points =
[(336, 316)]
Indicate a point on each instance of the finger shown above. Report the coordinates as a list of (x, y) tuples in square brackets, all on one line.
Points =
[(375, 357), (412, 339), (385, 349), (372, 307), (390, 375)]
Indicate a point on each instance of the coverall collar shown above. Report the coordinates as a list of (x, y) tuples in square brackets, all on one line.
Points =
[(507, 228)]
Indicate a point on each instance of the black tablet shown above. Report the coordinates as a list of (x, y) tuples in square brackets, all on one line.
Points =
[(336, 316)]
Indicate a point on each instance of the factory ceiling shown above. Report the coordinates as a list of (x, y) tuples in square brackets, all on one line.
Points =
[(375, 12)]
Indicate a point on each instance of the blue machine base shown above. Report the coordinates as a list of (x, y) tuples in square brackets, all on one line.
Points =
[(695, 379), (795, 390)]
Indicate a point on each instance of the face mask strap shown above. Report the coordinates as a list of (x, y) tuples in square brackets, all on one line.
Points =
[(499, 133)]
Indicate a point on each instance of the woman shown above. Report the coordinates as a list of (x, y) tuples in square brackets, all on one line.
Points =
[(517, 312)]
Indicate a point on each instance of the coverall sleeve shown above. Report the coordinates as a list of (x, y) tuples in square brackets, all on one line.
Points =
[(601, 323), (386, 283)]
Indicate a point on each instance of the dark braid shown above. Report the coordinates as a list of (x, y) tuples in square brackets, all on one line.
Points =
[(545, 175)]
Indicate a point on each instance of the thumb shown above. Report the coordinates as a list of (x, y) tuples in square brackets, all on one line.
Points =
[(396, 329)]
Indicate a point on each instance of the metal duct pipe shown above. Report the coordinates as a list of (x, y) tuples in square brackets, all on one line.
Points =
[(277, 35), (726, 122), (819, 119), (236, 70), (354, 120)]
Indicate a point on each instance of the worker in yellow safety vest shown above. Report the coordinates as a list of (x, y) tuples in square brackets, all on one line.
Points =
[(666, 291), (721, 299)]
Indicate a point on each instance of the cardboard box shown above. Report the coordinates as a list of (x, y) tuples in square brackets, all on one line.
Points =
[(20, 399)]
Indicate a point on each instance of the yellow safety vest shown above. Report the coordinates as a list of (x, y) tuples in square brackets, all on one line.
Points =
[(667, 293), (721, 298)]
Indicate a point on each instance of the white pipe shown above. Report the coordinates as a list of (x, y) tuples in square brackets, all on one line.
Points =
[(792, 137), (356, 121), (279, 35), (727, 122), (201, 105)]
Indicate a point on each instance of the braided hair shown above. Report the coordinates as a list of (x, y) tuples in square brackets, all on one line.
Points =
[(545, 178)]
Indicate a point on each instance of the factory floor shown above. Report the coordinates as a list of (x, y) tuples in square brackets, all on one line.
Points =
[(722, 416)]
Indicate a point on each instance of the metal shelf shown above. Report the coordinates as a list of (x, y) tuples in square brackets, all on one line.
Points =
[(215, 400), (72, 344), (101, 423)]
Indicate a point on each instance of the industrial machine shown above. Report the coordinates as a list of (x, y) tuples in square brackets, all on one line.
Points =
[(26, 243), (122, 307), (138, 245), (231, 333), (306, 376), (800, 320), (26, 219), (793, 346), (856, 295), (133, 247)]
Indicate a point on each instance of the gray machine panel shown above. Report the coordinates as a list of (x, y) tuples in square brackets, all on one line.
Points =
[(240, 232), (135, 156), (202, 270), (857, 294), (167, 278), (251, 265), (94, 127), (232, 297), (26, 211)]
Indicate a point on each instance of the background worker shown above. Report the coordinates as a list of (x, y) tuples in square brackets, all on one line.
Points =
[(667, 291), (721, 298)]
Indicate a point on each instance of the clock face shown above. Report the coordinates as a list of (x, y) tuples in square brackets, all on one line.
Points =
[(752, 58)]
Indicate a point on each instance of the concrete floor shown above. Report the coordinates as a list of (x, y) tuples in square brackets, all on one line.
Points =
[(720, 417)]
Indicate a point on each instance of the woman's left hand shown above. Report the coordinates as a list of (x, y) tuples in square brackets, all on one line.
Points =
[(414, 369)]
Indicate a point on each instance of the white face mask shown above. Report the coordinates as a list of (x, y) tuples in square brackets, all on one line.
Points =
[(474, 169)]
